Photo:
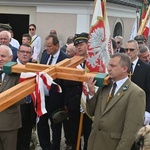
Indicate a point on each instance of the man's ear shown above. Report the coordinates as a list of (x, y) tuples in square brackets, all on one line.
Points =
[(11, 57), (125, 69)]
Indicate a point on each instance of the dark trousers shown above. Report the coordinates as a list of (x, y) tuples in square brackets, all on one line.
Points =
[(87, 123), (43, 129), (24, 137), (73, 128), (28, 121)]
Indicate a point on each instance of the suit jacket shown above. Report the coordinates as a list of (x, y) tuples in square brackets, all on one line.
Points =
[(10, 118), (14, 51), (115, 126), (55, 100), (141, 77), (122, 50)]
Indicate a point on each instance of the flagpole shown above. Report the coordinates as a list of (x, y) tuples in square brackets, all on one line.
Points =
[(137, 17), (144, 22)]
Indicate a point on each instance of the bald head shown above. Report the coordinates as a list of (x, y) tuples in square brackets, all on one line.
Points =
[(71, 50)]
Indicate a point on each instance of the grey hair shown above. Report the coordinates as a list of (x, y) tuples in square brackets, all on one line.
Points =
[(119, 37), (6, 32), (143, 49)]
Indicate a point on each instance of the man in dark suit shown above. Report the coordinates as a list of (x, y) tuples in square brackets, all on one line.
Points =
[(27, 110), (140, 74), (10, 118), (54, 100), (118, 112), (144, 54), (73, 92), (119, 42)]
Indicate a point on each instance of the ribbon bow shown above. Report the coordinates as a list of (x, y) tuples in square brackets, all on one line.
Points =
[(43, 82)]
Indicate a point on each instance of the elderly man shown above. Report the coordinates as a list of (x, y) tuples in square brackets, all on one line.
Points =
[(119, 42), (118, 108), (71, 50), (10, 118), (5, 38)]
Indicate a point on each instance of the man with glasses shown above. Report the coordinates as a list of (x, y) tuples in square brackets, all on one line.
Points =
[(36, 40), (27, 110), (140, 74), (119, 42)]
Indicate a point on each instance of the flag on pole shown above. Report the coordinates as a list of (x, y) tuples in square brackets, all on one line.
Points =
[(99, 46), (134, 30), (144, 19), (146, 31)]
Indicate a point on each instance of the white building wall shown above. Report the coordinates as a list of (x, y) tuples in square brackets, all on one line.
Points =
[(69, 18)]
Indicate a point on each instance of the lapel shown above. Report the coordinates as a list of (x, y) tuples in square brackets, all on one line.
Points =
[(137, 69), (105, 96), (117, 96), (5, 82), (59, 57)]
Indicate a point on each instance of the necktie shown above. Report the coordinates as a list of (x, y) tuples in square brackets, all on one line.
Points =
[(131, 68), (112, 92), (113, 89), (51, 59), (1, 71), (83, 64), (117, 51)]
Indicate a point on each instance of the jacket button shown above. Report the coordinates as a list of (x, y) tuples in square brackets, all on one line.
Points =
[(99, 129)]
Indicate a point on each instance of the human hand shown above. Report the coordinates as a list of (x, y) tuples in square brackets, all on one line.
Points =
[(91, 86), (147, 118)]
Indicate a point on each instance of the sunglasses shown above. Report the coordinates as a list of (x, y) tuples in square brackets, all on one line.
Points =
[(130, 49), (31, 29), (118, 42)]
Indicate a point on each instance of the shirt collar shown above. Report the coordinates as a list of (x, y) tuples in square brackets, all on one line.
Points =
[(19, 62), (56, 54)]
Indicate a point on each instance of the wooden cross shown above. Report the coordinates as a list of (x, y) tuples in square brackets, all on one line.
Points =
[(62, 70)]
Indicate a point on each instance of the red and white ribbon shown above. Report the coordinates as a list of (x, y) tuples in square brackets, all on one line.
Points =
[(43, 80)]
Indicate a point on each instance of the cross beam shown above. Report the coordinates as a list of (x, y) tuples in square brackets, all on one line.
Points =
[(62, 70)]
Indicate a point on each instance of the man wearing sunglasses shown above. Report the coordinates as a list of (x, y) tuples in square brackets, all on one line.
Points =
[(119, 42), (140, 74)]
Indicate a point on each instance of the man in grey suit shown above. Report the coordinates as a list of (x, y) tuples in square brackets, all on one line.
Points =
[(119, 113), (10, 118)]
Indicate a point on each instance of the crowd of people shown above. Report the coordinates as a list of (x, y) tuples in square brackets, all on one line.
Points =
[(120, 109)]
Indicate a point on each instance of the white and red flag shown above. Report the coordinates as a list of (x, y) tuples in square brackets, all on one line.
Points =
[(99, 43)]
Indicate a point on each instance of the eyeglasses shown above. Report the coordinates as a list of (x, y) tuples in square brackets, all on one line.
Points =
[(31, 29), (118, 42), (23, 52), (130, 49)]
